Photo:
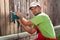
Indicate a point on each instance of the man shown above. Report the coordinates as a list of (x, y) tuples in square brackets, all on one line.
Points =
[(40, 22)]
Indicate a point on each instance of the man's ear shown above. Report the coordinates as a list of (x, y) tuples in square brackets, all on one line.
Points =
[(40, 7)]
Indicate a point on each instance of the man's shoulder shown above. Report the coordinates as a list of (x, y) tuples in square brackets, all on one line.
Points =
[(42, 14)]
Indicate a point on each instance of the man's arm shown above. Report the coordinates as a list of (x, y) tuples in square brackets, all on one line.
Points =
[(28, 29), (23, 20)]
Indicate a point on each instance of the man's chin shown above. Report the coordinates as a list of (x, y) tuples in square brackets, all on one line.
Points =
[(36, 14)]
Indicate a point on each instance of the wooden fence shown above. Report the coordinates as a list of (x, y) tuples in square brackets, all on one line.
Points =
[(6, 6)]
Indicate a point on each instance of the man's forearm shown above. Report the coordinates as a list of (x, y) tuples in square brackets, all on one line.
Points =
[(23, 20), (28, 29)]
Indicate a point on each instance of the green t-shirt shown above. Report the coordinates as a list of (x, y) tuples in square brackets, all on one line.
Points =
[(44, 24)]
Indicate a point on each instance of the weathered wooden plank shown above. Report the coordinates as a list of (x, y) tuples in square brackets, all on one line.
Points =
[(15, 36), (27, 9), (12, 25), (57, 29), (2, 18), (6, 8)]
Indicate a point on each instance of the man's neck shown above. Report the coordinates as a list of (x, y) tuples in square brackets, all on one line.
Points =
[(37, 13)]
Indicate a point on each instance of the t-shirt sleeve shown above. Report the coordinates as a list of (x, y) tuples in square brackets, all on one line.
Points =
[(37, 20)]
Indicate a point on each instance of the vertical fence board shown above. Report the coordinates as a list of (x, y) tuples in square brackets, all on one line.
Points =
[(2, 18), (6, 15), (12, 30)]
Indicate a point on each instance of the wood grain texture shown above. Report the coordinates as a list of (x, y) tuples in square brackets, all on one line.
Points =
[(50, 7)]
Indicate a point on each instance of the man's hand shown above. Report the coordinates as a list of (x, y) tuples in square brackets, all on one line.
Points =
[(23, 20), (18, 14)]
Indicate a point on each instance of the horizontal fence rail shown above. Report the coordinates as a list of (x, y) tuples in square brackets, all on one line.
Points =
[(57, 29), (25, 34), (16, 36)]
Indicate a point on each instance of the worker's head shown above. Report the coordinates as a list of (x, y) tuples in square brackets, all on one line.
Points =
[(35, 7)]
